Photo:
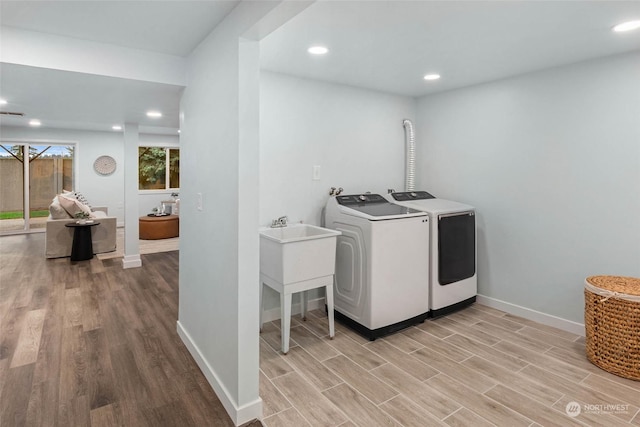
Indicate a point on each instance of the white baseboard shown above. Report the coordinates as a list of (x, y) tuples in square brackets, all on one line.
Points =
[(239, 415), (131, 261), (536, 316), (274, 313)]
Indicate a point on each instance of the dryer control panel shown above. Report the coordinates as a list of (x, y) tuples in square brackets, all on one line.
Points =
[(405, 196)]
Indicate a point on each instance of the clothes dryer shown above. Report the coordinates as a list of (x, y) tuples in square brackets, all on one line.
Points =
[(381, 273), (452, 279)]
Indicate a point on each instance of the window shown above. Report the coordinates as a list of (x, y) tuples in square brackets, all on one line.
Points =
[(158, 168), (46, 170)]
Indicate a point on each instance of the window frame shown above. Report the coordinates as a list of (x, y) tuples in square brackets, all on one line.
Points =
[(168, 189)]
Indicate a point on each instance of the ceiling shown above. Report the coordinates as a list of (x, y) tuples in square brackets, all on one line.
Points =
[(170, 27), (68, 100), (390, 45), (63, 99), (381, 45)]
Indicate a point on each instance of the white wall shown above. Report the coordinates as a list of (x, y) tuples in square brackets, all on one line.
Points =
[(551, 160), (219, 247), (355, 136), (100, 190), (148, 201)]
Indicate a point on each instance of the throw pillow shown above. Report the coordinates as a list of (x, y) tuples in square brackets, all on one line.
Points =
[(73, 206), (56, 210), (80, 197)]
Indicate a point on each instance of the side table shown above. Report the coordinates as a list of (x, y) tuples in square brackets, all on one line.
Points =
[(82, 247)]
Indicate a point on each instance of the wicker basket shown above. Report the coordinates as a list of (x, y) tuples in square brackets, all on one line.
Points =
[(612, 324)]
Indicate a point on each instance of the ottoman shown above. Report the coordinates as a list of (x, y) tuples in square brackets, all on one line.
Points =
[(159, 227), (612, 324)]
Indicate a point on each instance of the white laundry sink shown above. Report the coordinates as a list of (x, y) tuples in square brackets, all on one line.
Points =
[(297, 252)]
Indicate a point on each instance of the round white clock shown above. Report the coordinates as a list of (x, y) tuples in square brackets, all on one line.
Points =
[(105, 165)]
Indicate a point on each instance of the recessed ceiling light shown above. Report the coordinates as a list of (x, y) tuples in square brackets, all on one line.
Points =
[(432, 76), (178, 130), (317, 50), (116, 127), (627, 26), (34, 122), (3, 102), (154, 114)]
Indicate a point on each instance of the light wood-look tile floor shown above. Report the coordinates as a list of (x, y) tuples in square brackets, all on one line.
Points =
[(92, 344), (476, 367)]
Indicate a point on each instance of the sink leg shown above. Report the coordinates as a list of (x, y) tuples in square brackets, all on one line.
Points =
[(329, 296), (285, 320), (303, 304)]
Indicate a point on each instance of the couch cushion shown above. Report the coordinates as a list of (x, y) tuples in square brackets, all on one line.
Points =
[(58, 238), (73, 206)]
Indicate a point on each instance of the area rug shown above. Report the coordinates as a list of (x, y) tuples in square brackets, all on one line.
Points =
[(146, 246)]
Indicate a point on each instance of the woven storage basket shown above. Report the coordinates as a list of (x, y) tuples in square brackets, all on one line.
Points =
[(612, 324)]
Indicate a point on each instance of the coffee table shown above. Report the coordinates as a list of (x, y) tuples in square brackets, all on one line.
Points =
[(159, 227)]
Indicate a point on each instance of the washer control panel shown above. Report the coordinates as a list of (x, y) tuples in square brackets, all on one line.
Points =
[(360, 199)]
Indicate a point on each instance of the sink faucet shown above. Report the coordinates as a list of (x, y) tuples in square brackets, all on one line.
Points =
[(280, 222)]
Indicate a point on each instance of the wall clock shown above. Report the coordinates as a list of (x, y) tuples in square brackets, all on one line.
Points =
[(105, 165)]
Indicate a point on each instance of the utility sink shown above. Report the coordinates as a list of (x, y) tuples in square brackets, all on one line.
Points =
[(297, 252), (297, 258)]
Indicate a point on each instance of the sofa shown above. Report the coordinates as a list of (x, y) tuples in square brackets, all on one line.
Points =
[(59, 238)]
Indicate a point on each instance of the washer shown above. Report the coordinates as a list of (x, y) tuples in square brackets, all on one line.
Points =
[(381, 273), (452, 280)]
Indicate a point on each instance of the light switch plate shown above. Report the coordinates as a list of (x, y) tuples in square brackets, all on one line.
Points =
[(199, 202)]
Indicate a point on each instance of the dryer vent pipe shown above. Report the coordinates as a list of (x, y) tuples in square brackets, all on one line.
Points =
[(410, 153)]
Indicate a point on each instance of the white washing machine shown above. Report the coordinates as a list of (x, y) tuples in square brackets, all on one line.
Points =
[(452, 280), (381, 274)]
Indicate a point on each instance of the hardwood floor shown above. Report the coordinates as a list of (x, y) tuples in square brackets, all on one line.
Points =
[(477, 367), (91, 344)]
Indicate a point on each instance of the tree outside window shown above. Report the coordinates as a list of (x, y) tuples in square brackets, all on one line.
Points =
[(158, 168)]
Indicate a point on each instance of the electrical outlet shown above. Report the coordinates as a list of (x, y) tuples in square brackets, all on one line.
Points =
[(316, 173), (199, 202)]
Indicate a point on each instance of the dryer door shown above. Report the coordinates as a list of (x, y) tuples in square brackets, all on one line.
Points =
[(456, 247)]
